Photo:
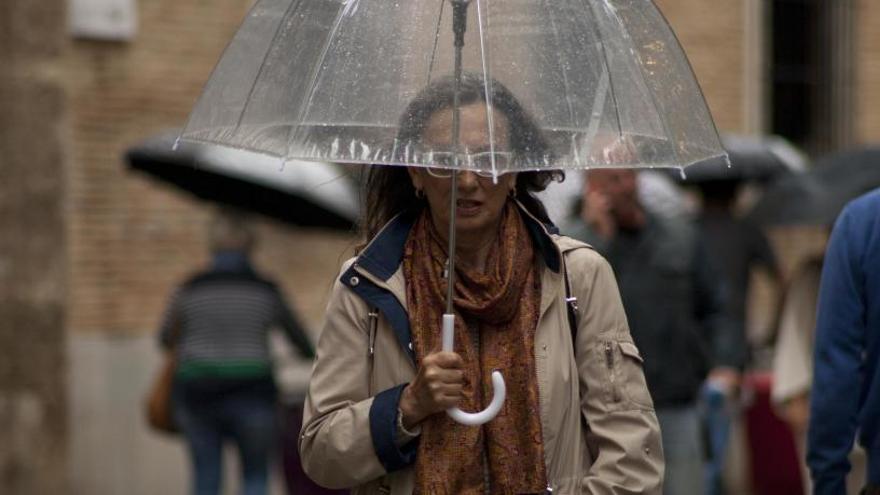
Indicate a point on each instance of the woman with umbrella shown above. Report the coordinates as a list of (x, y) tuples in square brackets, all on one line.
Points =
[(541, 308)]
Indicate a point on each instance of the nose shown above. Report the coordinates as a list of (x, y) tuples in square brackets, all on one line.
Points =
[(467, 180)]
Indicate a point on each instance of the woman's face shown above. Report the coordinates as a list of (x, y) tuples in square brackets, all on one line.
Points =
[(479, 201)]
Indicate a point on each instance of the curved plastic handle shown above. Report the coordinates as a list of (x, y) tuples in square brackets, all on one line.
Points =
[(499, 390)]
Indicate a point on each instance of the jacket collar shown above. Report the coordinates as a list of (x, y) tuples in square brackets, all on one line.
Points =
[(384, 254), (231, 261)]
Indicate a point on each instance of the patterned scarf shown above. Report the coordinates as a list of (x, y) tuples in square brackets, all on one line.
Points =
[(501, 307)]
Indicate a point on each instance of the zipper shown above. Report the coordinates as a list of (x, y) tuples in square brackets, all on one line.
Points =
[(373, 317), (374, 322), (609, 356), (609, 361)]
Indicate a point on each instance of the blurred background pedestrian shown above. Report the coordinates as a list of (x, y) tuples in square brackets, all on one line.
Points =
[(674, 306), (737, 247), (217, 327)]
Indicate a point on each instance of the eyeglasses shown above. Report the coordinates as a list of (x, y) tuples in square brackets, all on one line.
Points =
[(478, 163)]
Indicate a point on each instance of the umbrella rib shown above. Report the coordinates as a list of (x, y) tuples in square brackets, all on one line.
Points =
[(693, 77), (487, 85), (549, 9), (263, 66), (436, 41), (601, 40), (595, 110), (660, 114), (316, 70)]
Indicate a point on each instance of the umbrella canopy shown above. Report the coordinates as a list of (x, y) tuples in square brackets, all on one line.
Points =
[(306, 194), (817, 196), (592, 83), (752, 158), (329, 80)]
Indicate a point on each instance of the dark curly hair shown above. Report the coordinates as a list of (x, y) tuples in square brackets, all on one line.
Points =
[(389, 190)]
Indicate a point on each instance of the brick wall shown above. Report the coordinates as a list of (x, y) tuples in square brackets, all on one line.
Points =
[(867, 83), (127, 238), (712, 36), (131, 240)]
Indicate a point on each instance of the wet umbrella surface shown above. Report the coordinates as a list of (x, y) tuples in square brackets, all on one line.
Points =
[(328, 80), (605, 81)]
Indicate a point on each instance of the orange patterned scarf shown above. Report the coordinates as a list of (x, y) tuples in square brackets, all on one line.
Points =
[(501, 306)]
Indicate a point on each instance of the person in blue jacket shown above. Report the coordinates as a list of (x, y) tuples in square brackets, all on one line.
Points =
[(846, 389)]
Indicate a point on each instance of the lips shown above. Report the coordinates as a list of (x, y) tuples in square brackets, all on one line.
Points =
[(467, 207)]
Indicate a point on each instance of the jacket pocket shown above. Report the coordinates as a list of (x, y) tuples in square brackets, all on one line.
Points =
[(625, 385), (632, 376)]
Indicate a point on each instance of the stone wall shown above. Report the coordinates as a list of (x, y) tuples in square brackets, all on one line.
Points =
[(33, 401)]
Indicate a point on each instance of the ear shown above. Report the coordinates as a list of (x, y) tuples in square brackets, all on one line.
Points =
[(415, 175)]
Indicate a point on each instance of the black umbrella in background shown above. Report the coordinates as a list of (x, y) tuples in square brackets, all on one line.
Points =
[(307, 194), (752, 159), (817, 196)]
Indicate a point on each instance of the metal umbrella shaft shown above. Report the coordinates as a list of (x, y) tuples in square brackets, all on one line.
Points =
[(459, 25)]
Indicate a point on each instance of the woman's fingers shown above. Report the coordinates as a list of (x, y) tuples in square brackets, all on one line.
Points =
[(438, 385), (448, 398), (449, 401), (445, 388), (446, 360), (442, 375), (439, 389)]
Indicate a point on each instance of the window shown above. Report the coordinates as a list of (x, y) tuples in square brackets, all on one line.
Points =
[(811, 72), (112, 20)]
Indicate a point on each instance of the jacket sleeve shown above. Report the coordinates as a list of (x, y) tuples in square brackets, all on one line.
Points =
[(727, 343), (839, 347), (348, 437), (293, 329), (169, 329), (623, 435)]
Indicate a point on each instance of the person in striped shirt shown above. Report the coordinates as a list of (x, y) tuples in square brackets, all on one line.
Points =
[(217, 326)]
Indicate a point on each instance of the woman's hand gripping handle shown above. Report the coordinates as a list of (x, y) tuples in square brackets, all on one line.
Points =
[(439, 383), (499, 389)]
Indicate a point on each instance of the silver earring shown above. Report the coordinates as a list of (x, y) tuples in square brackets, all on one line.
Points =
[(420, 193)]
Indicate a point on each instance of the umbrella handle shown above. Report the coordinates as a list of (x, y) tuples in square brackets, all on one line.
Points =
[(499, 390)]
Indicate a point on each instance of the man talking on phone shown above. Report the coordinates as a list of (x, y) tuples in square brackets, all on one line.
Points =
[(674, 306)]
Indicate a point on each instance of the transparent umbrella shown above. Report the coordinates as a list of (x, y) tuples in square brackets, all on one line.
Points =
[(605, 81), (328, 80)]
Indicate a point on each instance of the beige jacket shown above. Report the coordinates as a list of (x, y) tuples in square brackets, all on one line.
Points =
[(346, 439)]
